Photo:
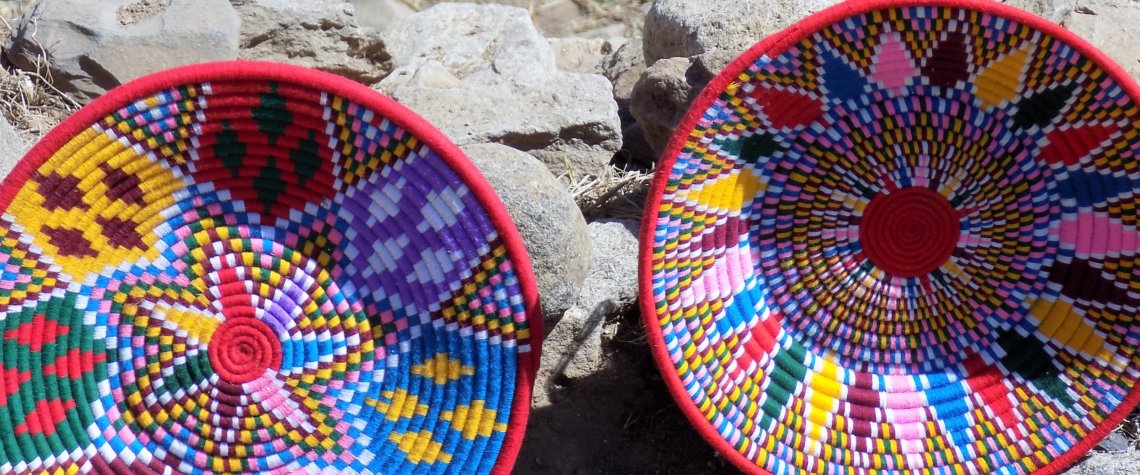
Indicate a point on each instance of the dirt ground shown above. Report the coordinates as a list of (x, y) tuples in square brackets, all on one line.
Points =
[(618, 420)]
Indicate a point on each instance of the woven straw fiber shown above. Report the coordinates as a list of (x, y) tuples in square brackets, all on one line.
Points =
[(901, 237), (254, 268)]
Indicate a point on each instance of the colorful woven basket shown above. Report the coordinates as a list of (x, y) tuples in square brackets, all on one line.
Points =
[(902, 237), (251, 267)]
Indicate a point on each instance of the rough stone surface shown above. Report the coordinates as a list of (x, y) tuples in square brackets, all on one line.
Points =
[(320, 34), (611, 286), (12, 148), (563, 18), (683, 28), (1115, 442), (574, 347), (1052, 10), (505, 86), (482, 44), (88, 46), (582, 55), (380, 14), (623, 68), (11, 8), (1111, 27), (140, 10), (1097, 463), (664, 92), (552, 227)]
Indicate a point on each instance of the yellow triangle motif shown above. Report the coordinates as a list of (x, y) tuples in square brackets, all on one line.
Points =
[(1060, 322), (999, 82)]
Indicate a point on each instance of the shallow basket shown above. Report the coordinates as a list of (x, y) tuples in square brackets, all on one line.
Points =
[(252, 267), (901, 237)]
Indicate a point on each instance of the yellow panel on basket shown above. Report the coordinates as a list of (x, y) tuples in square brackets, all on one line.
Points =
[(195, 324), (729, 191), (1060, 322), (82, 229), (999, 82)]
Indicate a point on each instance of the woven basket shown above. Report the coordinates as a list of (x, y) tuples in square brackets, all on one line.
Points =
[(901, 237), (258, 268)]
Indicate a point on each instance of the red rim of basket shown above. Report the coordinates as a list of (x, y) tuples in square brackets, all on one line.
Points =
[(779, 42), (369, 98)]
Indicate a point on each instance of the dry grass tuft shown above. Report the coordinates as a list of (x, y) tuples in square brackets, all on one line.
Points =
[(27, 98), (618, 194)]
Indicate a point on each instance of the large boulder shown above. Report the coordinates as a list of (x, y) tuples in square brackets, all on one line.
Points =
[(1123, 463), (12, 148), (574, 347), (611, 287), (664, 92), (89, 46), (1111, 27), (482, 73), (380, 14), (583, 55), (1052, 10), (684, 28), (552, 227), (320, 34), (623, 68), (554, 17)]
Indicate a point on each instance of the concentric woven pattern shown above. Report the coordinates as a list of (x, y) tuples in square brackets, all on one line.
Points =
[(254, 268), (902, 238)]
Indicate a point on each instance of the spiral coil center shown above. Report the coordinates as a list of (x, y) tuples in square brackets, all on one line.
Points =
[(910, 232)]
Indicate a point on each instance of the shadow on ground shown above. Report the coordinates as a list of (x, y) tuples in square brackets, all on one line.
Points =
[(620, 420)]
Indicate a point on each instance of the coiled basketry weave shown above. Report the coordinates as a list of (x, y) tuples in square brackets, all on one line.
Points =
[(256, 268), (901, 237)]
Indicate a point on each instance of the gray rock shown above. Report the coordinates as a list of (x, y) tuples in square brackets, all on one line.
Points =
[(551, 225), (574, 347), (1052, 10), (1111, 27), (1115, 442), (425, 4), (611, 287), (555, 18), (683, 28), (12, 148), (664, 92), (1124, 463), (481, 44), (623, 68), (380, 14), (506, 88), (90, 46), (320, 34), (560, 17), (582, 55), (11, 8)]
